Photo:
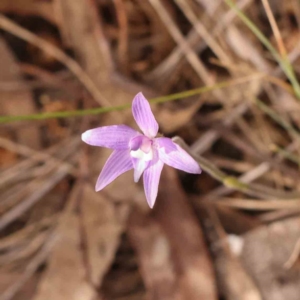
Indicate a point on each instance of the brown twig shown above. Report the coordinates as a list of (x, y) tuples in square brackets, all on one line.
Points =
[(191, 56), (250, 204), (42, 189), (123, 33), (32, 266), (275, 29), (15, 29)]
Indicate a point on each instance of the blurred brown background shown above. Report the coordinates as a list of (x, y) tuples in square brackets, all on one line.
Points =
[(209, 237)]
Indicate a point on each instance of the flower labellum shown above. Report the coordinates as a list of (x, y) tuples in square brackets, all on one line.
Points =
[(144, 153)]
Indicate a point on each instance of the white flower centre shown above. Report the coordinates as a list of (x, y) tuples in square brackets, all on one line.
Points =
[(140, 154)]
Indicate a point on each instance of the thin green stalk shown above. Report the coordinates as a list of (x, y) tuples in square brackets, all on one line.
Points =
[(283, 61), (278, 119), (251, 189), (101, 110), (62, 114), (287, 154)]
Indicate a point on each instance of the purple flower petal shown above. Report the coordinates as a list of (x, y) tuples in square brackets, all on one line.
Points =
[(114, 137), (136, 142), (143, 115), (151, 180), (140, 142), (166, 143), (179, 159), (118, 163), (139, 166)]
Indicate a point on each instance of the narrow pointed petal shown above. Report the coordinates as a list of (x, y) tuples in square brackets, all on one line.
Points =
[(151, 181), (118, 163), (166, 143), (179, 159), (139, 166), (115, 137), (143, 115)]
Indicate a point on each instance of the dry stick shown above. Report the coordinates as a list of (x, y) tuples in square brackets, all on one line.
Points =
[(231, 164), (13, 173), (286, 154), (202, 31), (261, 139), (232, 182), (22, 235), (276, 215), (202, 144), (181, 41), (13, 28), (278, 37), (245, 178), (275, 29), (34, 185), (30, 269), (282, 120), (251, 204), (63, 80), (45, 186), (49, 164), (34, 154), (16, 193), (278, 119), (248, 177), (285, 64), (193, 41), (206, 140), (25, 251)]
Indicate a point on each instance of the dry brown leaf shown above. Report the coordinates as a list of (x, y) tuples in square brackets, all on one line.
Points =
[(154, 252), (265, 252), (235, 282), (102, 226), (191, 257), (65, 276), (89, 236)]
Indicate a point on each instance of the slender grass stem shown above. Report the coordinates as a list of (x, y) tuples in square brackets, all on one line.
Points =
[(283, 61)]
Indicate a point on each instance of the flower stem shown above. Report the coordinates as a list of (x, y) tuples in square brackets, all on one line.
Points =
[(232, 182), (101, 110)]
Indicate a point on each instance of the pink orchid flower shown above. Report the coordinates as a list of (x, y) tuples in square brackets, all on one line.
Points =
[(145, 153)]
